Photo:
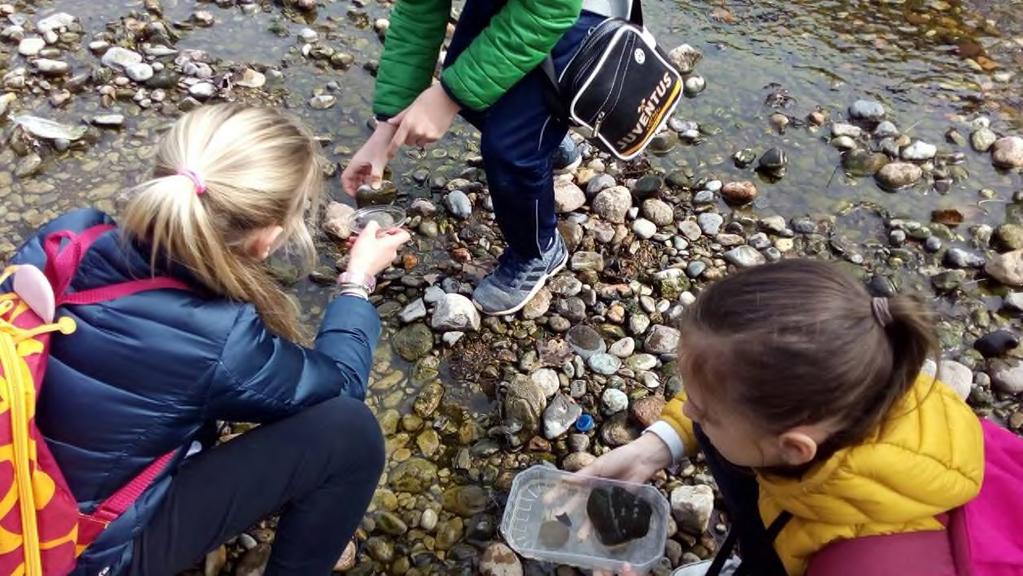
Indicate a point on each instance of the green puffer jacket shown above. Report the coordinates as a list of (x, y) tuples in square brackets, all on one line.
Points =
[(517, 39)]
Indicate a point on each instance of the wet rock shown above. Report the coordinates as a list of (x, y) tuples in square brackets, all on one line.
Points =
[(538, 305), (848, 130), (51, 67), (547, 381), (685, 58), (869, 110), (413, 475), (321, 102), (647, 410), (658, 212), (982, 139), (957, 376), (996, 343), (567, 196), (662, 340), (428, 521), (1006, 268), (744, 158), (120, 58), (251, 79), (693, 85), (692, 506), (413, 342), (744, 257), (204, 90), (959, 258), (576, 461), (598, 184), (458, 204), (163, 80), (1008, 379), (465, 501), (50, 130), (779, 121), (1009, 237), (948, 281), (455, 312), (738, 193), (31, 46), (614, 400), (559, 416), (613, 204), (415, 310), (664, 142), (898, 175), (1008, 152), (886, 129), (585, 341), (708, 223), (623, 348), (774, 160), (139, 72), (618, 516), (844, 143), (499, 560), (28, 166), (647, 187), (380, 549), (55, 22), (603, 363), (524, 403), (919, 151)]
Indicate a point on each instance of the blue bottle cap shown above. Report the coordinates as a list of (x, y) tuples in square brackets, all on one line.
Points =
[(584, 423)]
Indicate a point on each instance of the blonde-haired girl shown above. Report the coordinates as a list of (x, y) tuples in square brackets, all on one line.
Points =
[(150, 374)]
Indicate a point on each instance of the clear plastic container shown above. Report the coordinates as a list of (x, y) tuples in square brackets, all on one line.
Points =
[(548, 518), (388, 217)]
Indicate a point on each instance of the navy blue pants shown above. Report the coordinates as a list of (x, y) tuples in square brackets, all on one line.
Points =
[(519, 136), (318, 469)]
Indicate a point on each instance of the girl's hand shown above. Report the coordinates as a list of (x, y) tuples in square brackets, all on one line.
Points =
[(637, 461), (373, 251), (424, 121), (367, 166)]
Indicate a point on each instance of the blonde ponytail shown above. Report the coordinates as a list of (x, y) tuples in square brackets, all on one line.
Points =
[(223, 173)]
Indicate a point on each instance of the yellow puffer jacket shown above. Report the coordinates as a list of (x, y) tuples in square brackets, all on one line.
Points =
[(926, 457)]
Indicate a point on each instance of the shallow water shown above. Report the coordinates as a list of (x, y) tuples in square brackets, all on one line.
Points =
[(923, 59)]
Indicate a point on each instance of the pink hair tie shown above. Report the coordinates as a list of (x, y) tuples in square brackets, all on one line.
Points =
[(200, 186)]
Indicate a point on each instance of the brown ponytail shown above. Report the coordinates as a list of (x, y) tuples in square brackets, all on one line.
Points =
[(800, 342)]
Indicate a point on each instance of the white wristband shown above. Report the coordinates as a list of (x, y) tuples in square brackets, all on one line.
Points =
[(671, 439)]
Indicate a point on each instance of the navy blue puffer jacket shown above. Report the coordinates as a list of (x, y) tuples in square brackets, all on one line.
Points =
[(149, 373)]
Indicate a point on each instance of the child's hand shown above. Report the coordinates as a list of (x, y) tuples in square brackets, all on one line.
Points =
[(637, 461), (424, 121), (627, 571), (373, 251), (367, 166)]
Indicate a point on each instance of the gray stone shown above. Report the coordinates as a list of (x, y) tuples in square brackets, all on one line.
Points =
[(658, 211), (693, 85), (623, 348), (838, 130), (458, 204), (709, 223), (547, 380), (959, 258), (413, 342), (415, 310), (120, 58), (139, 72), (1008, 152), (587, 261), (692, 506), (51, 67), (898, 175), (1007, 268), (982, 139), (55, 22), (692, 230), (644, 228), (455, 312), (662, 340), (451, 338), (957, 376), (919, 151), (605, 364), (870, 110), (744, 257), (598, 184), (685, 58), (338, 220), (321, 102), (31, 46), (109, 120), (499, 560), (613, 204), (1008, 379), (614, 401), (886, 129), (204, 90), (585, 341), (641, 362), (567, 196), (559, 416)]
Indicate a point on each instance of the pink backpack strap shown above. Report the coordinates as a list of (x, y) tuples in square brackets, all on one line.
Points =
[(907, 554)]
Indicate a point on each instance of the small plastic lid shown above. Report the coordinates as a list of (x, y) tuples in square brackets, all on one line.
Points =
[(584, 423), (387, 217), (584, 521)]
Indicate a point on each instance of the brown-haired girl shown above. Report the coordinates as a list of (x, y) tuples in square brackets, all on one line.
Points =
[(805, 396)]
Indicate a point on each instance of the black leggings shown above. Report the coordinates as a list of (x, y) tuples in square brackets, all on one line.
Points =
[(318, 468)]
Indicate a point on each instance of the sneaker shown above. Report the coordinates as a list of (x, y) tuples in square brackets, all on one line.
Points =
[(516, 280), (568, 157)]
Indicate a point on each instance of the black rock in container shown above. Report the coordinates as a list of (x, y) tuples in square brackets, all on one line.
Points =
[(618, 516)]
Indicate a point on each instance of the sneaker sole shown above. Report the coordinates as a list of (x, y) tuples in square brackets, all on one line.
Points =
[(539, 285)]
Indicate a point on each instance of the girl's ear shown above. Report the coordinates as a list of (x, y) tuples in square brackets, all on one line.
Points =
[(262, 242), (797, 447)]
